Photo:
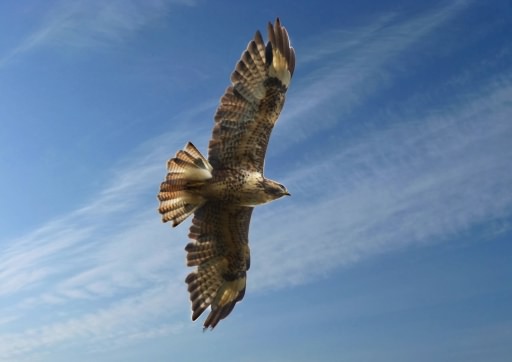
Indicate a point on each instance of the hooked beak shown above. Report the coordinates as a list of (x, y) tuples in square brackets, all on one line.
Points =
[(287, 194)]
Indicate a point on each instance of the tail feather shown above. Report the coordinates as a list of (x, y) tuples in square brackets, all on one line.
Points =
[(189, 165), (179, 196)]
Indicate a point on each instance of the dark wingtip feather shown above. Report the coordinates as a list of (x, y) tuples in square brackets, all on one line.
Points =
[(270, 31), (291, 64), (258, 38), (279, 38)]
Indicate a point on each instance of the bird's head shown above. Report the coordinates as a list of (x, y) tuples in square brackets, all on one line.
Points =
[(274, 190)]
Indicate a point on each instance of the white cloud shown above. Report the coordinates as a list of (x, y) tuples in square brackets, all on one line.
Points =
[(114, 248), (350, 66), (124, 320), (416, 182), (90, 24)]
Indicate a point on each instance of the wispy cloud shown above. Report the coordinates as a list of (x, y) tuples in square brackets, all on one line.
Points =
[(125, 320), (113, 250), (111, 261), (90, 24), (417, 182), (352, 65)]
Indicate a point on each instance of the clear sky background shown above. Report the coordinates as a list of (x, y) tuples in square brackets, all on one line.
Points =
[(395, 142)]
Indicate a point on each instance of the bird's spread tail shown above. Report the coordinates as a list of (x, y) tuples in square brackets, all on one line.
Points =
[(179, 196)]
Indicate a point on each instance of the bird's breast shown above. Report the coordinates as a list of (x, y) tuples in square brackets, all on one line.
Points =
[(240, 187)]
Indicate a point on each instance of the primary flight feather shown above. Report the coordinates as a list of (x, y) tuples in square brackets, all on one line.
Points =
[(221, 191)]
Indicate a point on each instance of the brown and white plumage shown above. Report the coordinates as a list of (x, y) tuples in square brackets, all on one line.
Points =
[(251, 104), (222, 191)]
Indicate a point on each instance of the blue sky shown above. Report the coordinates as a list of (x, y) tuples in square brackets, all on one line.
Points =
[(394, 142)]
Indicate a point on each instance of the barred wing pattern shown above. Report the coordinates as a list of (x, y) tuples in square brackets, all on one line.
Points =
[(252, 103), (220, 251)]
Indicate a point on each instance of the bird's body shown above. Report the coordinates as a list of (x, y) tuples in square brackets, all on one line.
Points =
[(222, 190), (238, 187)]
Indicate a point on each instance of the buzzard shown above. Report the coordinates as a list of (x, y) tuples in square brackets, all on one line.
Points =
[(222, 191)]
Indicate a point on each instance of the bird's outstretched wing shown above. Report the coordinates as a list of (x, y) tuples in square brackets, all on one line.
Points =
[(220, 250), (252, 103)]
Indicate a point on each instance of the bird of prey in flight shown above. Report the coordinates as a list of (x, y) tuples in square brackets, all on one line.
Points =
[(222, 191)]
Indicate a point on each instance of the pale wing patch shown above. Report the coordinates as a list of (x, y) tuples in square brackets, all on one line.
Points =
[(230, 291), (279, 68)]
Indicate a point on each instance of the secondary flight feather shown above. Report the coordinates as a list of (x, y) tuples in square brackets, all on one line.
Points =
[(222, 191)]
